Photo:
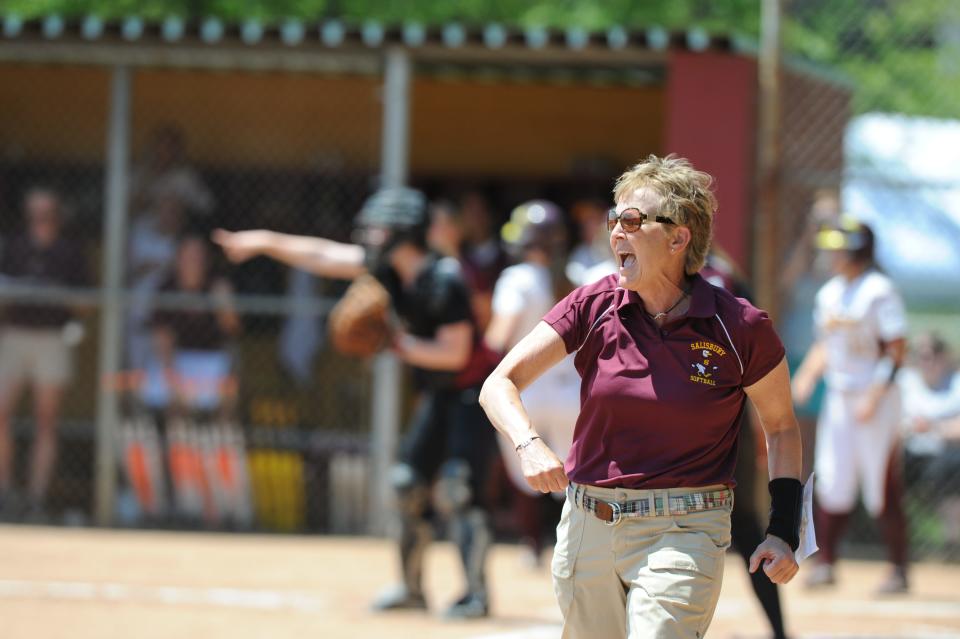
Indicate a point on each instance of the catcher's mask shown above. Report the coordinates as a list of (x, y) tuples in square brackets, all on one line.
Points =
[(535, 224), (850, 235), (390, 217)]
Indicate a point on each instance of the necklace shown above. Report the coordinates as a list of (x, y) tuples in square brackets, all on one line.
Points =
[(662, 314)]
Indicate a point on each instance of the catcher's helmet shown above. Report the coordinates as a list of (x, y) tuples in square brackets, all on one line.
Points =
[(848, 234), (535, 224), (389, 217), (396, 208)]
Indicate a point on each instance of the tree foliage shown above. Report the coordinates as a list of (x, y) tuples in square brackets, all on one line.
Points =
[(900, 56)]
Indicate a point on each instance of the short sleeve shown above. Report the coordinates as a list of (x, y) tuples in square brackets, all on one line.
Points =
[(449, 300), (565, 320), (508, 294), (573, 316), (762, 350), (891, 316)]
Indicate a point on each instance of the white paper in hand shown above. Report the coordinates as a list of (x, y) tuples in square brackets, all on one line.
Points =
[(808, 536)]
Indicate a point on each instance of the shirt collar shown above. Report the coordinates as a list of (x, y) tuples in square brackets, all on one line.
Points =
[(702, 300)]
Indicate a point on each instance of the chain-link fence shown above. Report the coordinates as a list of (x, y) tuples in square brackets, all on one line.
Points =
[(897, 173), (259, 418)]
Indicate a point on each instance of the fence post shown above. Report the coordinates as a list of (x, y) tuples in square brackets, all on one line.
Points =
[(385, 413), (766, 239), (111, 293)]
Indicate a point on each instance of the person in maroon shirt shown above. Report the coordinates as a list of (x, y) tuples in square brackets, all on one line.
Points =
[(667, 362)]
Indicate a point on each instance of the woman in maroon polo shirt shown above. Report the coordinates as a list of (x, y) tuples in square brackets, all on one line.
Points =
[(667, 362)]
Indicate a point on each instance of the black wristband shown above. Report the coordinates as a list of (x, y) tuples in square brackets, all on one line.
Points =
[(786, 502)]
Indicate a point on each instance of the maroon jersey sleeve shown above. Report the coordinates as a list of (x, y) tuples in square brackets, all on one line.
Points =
[(574, 315), (762, 348)]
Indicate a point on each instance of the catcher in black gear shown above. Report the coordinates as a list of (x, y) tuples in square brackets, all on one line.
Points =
[(445, 454)]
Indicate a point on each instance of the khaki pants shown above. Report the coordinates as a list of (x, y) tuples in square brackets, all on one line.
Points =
[(651, 577)]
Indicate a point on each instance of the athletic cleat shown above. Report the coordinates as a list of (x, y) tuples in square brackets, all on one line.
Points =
[(469, 606), (399, 598), (821, 575), (895, 583)]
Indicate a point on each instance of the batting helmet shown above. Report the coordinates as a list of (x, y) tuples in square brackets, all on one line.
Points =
[(535, 224), (848, 234)]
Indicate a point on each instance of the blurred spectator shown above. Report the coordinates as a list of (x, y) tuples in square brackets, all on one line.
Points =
[(536, 236), (35, 344), (931, 411), (449, 234), (861, 324), (150, 257), (190, 387), (193, 362), (483, 257), (593, 247), (445, 235), (301, 336), (164, 169)]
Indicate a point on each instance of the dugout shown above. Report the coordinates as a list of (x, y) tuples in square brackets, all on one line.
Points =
[(292, 124)]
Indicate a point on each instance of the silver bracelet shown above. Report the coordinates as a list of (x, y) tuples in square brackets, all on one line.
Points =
[(526, 443)]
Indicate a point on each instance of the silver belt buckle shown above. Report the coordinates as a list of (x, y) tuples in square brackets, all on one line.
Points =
[(617, 514)]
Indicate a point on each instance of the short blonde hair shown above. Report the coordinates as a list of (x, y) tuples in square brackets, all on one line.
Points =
[(686, 198)]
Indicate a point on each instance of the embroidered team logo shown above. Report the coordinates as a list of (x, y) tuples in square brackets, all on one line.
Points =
[(705, 368)]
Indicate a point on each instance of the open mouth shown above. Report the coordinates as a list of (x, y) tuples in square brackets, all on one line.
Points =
[(626, 259)]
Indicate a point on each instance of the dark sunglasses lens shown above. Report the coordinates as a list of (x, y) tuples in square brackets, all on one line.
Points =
[(630, 220)]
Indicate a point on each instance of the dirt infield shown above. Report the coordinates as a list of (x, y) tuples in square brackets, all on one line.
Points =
[(103, 584)]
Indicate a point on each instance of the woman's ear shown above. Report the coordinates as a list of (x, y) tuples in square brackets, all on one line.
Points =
[(680, 239)]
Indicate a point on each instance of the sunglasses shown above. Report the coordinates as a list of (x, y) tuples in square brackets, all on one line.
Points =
[(632, 219)]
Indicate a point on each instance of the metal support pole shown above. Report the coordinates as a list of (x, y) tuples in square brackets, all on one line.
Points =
[(394, 163), (385, 413), (111, 297), (766, 239)]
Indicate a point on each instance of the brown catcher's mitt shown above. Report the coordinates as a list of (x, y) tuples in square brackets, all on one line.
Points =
[(359, 323)]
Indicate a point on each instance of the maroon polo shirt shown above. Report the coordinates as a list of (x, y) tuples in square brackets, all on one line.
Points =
[(660, 407)]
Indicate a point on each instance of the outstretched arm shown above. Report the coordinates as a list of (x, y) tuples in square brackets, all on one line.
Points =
[(317, 255)]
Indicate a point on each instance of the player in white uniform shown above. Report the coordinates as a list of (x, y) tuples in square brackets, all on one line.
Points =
[(524, 293), (861, 329)]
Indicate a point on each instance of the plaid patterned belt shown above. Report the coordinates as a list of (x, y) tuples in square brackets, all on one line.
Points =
[(611, 513)]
